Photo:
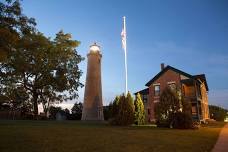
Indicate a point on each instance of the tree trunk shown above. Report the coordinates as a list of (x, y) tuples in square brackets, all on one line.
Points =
[(35, 104)]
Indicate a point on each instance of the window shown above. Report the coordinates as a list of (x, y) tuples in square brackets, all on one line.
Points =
[(144, 98), (194, 110), (156, 90), (155, 101)]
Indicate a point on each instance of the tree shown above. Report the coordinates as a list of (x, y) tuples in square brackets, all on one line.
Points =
[(53, 111), (46, 69), (67, 113), (183, 118), (217, 113), (115, 107), (139, 111), (13, 25), (126, 110), (76, 111), (108, 111), (165, 109), (173, 111), (47, 98)]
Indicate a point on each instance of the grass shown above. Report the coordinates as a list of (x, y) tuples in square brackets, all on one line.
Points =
[(73, 136)]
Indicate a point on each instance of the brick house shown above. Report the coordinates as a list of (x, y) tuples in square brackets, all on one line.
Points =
[(194, 88)]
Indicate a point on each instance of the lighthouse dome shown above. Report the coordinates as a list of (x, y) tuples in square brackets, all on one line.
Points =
[(94, 48)]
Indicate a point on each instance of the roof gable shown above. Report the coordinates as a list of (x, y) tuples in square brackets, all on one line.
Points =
[(144, 91), (166, 69), (202, 78)]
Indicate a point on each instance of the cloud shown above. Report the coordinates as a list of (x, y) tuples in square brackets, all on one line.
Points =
[(65, 105), (190, 54)]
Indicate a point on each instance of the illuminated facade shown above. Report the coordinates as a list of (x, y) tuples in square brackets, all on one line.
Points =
[(193, 88)]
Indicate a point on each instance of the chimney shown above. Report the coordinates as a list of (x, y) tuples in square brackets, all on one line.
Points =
[(162, 66)]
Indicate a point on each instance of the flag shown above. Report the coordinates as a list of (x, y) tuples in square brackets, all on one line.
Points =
[(124, 35)]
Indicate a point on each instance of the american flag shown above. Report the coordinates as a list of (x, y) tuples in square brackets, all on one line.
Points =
[(124, 35)]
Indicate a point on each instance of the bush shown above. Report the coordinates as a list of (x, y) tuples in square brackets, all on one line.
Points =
[(165, 109), (173, 112), (217, 113), (182, 120), (139, 111), (76, 111), (114, 110), (123, 110), (107, 111), (115, 107), (53, 111)]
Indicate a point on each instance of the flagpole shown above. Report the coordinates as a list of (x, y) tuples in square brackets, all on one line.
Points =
[(125, 57)]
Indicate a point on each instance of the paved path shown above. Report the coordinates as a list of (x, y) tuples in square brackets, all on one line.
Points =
[(222, 142)]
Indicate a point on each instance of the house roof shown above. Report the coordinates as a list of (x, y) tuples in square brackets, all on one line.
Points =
[(196, 77), (202, 78), (144, 91), (166, 69)]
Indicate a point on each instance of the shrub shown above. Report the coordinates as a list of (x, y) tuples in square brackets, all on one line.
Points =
[(76, 111), (114, 110), (123, 110), (108, 111), (115, 106), (182, 120), (53, 111), (217, 113), (139, 111), (165, 109), (173, 111)]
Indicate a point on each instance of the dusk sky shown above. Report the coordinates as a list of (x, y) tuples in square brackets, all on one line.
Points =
[(190, 35)]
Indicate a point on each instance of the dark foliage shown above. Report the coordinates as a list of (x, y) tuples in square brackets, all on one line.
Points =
[(76, 111), (217, 113), (165, 109), (182, 120), (114, 110), (34, 68), (124, 111), (173, 111), (108, 111), (53, 111)]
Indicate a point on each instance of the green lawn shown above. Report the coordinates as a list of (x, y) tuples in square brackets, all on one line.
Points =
[(71, 136)]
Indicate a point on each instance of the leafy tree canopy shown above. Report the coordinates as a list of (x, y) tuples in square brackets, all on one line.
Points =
[(13, 24), (44, 70), (168, 105)]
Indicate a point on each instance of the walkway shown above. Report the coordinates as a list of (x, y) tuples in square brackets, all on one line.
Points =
[(222, 142)]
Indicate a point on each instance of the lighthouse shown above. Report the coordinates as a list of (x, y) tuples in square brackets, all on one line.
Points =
[(92, 105)]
